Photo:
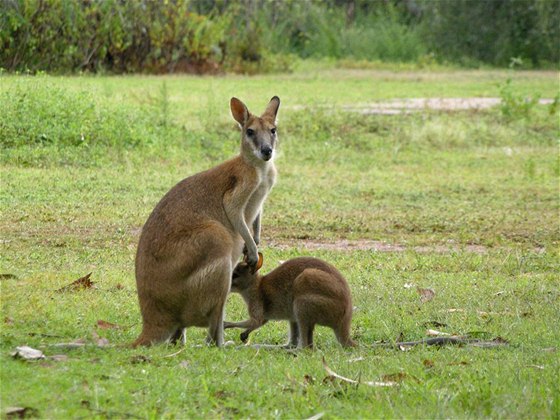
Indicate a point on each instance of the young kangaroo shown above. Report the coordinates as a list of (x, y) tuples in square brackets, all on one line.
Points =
[(305, 291), (197, 232)]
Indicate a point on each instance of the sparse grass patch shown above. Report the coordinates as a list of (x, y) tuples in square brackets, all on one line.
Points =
[(433, 183)]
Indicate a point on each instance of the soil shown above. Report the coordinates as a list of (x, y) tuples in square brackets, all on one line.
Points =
[(405, 106), (370, 245)]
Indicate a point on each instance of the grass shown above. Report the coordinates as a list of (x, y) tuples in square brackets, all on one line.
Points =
[(436, 184)]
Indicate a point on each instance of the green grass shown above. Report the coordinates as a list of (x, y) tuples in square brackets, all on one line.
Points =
[(436, 184)]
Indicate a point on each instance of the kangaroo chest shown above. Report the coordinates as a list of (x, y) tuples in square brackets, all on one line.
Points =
[(266, 179)]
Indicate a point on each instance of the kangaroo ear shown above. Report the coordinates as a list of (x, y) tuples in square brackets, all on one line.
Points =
[(239, 111), (272, 109)]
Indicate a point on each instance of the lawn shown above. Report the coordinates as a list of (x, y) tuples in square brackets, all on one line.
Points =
[(465, 203)]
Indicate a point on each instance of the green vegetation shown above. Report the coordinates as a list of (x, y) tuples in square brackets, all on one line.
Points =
[(256, 36), (468, 200)]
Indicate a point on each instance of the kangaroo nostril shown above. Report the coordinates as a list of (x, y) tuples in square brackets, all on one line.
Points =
[(266, 151)]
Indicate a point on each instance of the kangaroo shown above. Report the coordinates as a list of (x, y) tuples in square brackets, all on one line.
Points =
[(305, 291), (198, 231)]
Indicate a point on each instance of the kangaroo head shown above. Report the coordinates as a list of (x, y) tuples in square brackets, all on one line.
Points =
[(258, 134), (244, 276)]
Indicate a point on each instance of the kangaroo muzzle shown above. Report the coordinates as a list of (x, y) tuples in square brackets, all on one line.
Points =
[(266, 152)]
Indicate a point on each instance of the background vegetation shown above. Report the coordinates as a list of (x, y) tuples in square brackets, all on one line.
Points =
[(209, 36)]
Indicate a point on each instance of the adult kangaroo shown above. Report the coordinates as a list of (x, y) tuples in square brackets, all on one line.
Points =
[(198, 231)]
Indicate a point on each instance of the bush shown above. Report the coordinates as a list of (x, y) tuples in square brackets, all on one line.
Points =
[(209, 36), (136, 36)]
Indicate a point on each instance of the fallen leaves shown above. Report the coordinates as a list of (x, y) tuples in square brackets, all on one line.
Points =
[(105, 325), (333, 375), (27, 353), (99, 341), (397, 377), (436, 333), (140, 359), (82, 283), (428, 363), (426, 295), (21, 412), (30, 354)]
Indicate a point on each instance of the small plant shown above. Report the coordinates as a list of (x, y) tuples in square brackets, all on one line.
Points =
[(515, 106)]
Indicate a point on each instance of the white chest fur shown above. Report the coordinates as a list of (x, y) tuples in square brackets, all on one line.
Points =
[(266, 178)]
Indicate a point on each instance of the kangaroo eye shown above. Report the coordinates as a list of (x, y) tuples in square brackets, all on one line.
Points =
[(250, 132), (273, 130)]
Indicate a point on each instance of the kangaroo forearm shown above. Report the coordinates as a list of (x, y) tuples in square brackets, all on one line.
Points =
[(257, 228), (235, 215)]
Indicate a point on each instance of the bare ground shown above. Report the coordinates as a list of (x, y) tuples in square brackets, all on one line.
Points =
[(370, 245), (408, 105)]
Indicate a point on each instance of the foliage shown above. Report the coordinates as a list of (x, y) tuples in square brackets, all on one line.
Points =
[(494, 31), (250, 36), (138, 36), (513, 105)]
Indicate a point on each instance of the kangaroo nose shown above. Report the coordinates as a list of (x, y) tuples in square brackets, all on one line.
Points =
[(266, 151)]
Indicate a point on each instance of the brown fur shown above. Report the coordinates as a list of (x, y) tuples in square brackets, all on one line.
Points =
[(196, 234), (305, 291)]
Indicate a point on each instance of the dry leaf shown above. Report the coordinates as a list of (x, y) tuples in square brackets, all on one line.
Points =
[(403, 347), (356, 359), (308, 379), (81, 283), (21, 412), (99, 341), (434, 324), (184, 364), (316, 416), (428, 363), (408, 285), (397, 377), (27, 353), (140, 358), (7, 276), (461, 363), (352, 381), (453, 310), (104, 325), (426, 294), (8, 320), (436, 333)]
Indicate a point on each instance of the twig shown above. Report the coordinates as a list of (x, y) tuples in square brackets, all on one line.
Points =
[(352, 381)]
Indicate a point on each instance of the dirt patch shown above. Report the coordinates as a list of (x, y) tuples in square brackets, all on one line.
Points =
[(370, 245), (409, 105)]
